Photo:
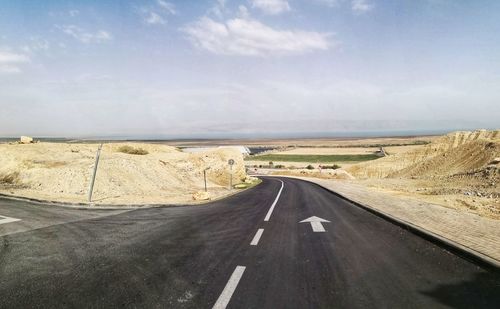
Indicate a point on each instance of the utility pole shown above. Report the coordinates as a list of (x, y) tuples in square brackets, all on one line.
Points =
[(94, 173)]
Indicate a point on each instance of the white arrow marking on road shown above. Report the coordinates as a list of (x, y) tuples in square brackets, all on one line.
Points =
[(316, 223), (4, 220)]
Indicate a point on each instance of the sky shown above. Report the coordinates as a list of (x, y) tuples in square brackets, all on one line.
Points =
[(247, 68)]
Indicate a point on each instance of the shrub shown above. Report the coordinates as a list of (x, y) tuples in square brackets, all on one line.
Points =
[(9, 179), (279, 166), (131, 150), (332, 167), (310, 167)]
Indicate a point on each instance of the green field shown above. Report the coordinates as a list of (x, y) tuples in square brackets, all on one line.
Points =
[(313, 158)]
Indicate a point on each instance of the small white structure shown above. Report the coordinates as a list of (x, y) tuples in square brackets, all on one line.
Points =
[(26, 140)]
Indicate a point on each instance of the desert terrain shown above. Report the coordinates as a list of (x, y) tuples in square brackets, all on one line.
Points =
[(161, 174), (341, 151), (459, 170)]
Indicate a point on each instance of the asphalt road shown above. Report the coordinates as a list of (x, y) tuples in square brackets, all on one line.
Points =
[(225, 253)]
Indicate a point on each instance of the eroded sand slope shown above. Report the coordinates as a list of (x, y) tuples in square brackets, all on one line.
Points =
[(459, 170), (457, 152)]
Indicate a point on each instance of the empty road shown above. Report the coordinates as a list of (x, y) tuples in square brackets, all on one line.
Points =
[(250, 250)]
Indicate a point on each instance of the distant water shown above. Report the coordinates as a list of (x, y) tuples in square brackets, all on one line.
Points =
[(286, 135), (270, 135)]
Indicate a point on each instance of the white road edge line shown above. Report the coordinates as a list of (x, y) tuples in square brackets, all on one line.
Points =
[(268, 216), (8, 220), (256, 238), (228, 291)]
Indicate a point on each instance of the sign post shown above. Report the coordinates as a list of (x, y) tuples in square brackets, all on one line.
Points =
[(231, 163), (205, 177), (95, 171)]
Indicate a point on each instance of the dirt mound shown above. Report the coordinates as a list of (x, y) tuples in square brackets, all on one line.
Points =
[(57, 171), (454, 153)]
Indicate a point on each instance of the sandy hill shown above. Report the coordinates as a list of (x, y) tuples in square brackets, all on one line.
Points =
[(452, 154), (58, 171)]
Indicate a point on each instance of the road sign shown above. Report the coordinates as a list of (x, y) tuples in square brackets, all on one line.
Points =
[(230, 162)]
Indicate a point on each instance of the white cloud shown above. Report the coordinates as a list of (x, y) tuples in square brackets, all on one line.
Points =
[(249, 37), (153, 18), (9, 57), (40, 44), (330, 3), (36, 44), (85, 36), (243, 12), (157, 15), (9, 62), (169, 7), (218, 9), (361, 6), (272, 7), (357, 6), (10, 69), (73, 13)]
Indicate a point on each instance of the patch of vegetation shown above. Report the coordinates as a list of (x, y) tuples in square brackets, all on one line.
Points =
[(332, 167), (53, 164), (9, 179), (242, 186), (132, 150), (310, 167), (314, 158), (247, 185)]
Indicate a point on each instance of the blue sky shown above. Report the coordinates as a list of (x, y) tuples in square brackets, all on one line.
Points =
[(251, 67)]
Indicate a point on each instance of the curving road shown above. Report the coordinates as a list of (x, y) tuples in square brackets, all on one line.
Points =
[(226, 254)]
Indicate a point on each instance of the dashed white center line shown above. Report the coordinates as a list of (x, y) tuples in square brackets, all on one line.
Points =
[(231, 285), (256, 238), (228, 291), (268, 216), (4, 220)]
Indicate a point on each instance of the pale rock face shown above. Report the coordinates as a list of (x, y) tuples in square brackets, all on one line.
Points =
[(26, 140)]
